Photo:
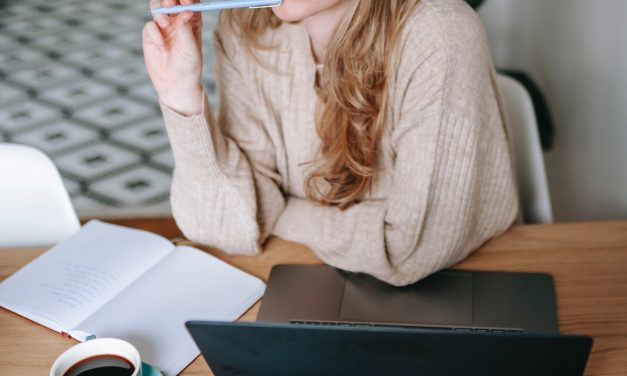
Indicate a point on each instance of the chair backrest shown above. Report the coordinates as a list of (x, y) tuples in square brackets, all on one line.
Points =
[(35, 208), (533, 186)]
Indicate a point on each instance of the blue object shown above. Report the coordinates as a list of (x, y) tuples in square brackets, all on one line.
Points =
[(217, 5), (148, 370)]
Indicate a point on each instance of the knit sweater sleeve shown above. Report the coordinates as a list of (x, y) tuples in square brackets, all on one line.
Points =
[(453, 185), (225, 189)]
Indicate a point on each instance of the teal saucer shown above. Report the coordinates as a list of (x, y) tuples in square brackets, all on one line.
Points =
[(148, 370)]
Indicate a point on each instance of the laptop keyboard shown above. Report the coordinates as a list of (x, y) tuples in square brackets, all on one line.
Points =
[(448, 328)]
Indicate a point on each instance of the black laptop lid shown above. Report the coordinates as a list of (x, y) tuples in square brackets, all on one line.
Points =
[(282, 349)]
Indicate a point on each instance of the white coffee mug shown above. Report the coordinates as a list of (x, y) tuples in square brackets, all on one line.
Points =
[(94, 348)]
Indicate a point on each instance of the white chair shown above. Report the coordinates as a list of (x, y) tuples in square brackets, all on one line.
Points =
[(35, 208), (535, 201)]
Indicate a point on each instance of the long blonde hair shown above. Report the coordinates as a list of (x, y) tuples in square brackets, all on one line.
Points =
[(353, 96)]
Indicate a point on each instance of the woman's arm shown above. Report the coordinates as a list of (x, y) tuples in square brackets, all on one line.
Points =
[(453, 190), (224, 193), (453, 184)]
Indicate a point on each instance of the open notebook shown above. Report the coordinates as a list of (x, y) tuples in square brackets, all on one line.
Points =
[(113, 281)]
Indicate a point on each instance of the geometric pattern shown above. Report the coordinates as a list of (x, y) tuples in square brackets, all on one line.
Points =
[(73, 84)]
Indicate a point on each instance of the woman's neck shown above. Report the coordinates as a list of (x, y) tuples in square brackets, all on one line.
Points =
[(321, 27)]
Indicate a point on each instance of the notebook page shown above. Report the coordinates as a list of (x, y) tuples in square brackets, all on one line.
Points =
[(188, 284), (73, 279)]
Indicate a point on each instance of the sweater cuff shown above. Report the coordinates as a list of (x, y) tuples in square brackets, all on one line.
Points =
[(195, 139), (292, 223)]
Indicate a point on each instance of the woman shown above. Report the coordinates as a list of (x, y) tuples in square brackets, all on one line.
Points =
[(369, 130)]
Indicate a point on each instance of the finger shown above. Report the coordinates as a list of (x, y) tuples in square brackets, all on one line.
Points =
[(187, 2), (185, 31), (162, 19), (187, 16), (194, 19), (162, 3), (196, 16), (151, 35)]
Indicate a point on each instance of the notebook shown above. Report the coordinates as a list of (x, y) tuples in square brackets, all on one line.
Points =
[(113, 281)]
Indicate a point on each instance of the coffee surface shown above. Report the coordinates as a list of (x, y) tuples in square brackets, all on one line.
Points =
[(102, 365)]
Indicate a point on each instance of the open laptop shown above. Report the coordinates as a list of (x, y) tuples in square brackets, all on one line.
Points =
[(316, 320), (448, 299)]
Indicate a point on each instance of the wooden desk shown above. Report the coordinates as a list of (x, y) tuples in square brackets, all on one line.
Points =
[(587, 260)]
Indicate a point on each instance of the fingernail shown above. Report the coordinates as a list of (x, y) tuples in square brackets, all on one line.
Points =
[(164, 21)]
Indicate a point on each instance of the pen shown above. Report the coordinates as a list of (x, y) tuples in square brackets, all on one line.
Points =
[(217, 5)]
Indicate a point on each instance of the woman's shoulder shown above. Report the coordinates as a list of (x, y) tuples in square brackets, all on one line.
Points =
[(448, 28), (443, 53)]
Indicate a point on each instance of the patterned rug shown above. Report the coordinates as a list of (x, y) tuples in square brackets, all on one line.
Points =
[(73, 84)]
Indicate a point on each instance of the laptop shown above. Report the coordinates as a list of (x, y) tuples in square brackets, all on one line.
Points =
[(447, 299), (317, 320)]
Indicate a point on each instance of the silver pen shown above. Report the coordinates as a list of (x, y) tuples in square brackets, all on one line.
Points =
[(217, 5)]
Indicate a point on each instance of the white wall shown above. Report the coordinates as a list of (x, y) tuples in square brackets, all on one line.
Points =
[(577, 52)]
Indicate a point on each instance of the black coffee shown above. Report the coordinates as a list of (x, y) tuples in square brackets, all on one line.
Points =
[(102, 365)]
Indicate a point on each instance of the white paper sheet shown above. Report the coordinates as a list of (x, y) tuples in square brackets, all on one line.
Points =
[(186, 285)]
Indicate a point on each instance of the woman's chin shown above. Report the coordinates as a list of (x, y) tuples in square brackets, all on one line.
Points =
[(288, 15), (299, 10)]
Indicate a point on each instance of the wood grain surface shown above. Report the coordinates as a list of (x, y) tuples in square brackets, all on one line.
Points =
[(587, 260)]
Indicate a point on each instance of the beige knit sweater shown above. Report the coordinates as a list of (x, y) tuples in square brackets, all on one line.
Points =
[(446, 185)]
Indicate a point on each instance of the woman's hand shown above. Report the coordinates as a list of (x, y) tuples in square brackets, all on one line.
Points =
[(173, 55)]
